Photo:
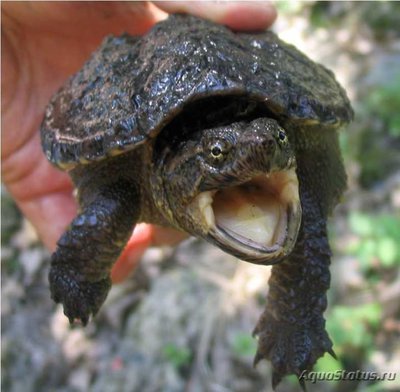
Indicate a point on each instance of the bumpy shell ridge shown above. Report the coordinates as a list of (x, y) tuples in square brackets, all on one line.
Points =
[(131, 87)]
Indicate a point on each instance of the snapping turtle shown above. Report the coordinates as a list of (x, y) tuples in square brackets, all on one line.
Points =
[(231, 137)]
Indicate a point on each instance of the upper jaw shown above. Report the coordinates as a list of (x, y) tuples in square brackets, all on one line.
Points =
[(256, 221)]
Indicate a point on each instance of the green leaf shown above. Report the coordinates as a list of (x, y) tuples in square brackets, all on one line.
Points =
[(361, 224), (387, 251), (391, 225), (289, 7), (366, 252), (328, 364), (395, 126), (379, 239), (178, 356), (372, 313), (244, 345), (348, 326)]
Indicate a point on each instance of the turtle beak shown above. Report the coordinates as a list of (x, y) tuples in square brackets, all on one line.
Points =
[(256, 221)]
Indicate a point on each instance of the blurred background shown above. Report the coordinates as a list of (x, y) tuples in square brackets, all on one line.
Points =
[(184, 321)]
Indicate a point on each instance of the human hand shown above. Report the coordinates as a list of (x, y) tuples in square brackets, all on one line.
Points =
[(42, 44)]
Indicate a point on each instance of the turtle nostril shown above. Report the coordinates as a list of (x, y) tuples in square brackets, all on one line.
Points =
[(269, 144)]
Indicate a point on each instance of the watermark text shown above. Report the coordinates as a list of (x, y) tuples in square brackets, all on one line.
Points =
[(337, 375)]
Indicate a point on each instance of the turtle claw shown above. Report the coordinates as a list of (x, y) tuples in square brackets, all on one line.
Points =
[(73, 321), (302, 385), (332, 353), (81, 299), (257, 358), (276, 379), (291, 348), (84, 321)]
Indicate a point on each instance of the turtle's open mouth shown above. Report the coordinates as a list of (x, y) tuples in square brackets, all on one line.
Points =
[(258, 220)]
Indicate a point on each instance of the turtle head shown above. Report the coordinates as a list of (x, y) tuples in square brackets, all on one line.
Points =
[(234, 185)]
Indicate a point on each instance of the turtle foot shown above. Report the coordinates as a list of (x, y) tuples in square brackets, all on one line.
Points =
[(81, 299), (291, 348)]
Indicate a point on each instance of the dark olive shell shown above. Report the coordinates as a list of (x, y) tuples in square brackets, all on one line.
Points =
[(131, 87)]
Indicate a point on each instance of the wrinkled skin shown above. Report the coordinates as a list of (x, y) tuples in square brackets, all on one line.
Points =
[(291, 330), (33, 68), (119, 179), (117, 193)]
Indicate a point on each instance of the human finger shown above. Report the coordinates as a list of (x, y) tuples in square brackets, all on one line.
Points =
[(144, 235), (238, 15)]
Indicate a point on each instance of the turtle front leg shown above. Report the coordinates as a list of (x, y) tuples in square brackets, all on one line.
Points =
[(80, 267), (291, 331)]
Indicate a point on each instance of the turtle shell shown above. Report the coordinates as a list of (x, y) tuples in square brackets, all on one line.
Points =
[(131, 87)]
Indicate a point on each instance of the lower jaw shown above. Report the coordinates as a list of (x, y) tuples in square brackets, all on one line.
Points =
[(254, 252), (246, 253), (257, 221)]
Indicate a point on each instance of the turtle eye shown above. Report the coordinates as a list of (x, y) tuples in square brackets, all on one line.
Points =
[(218, 150), (282, 138)]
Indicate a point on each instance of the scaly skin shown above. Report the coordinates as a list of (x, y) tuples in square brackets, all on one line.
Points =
[(291, 330), (129, 91), (80, 267)]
